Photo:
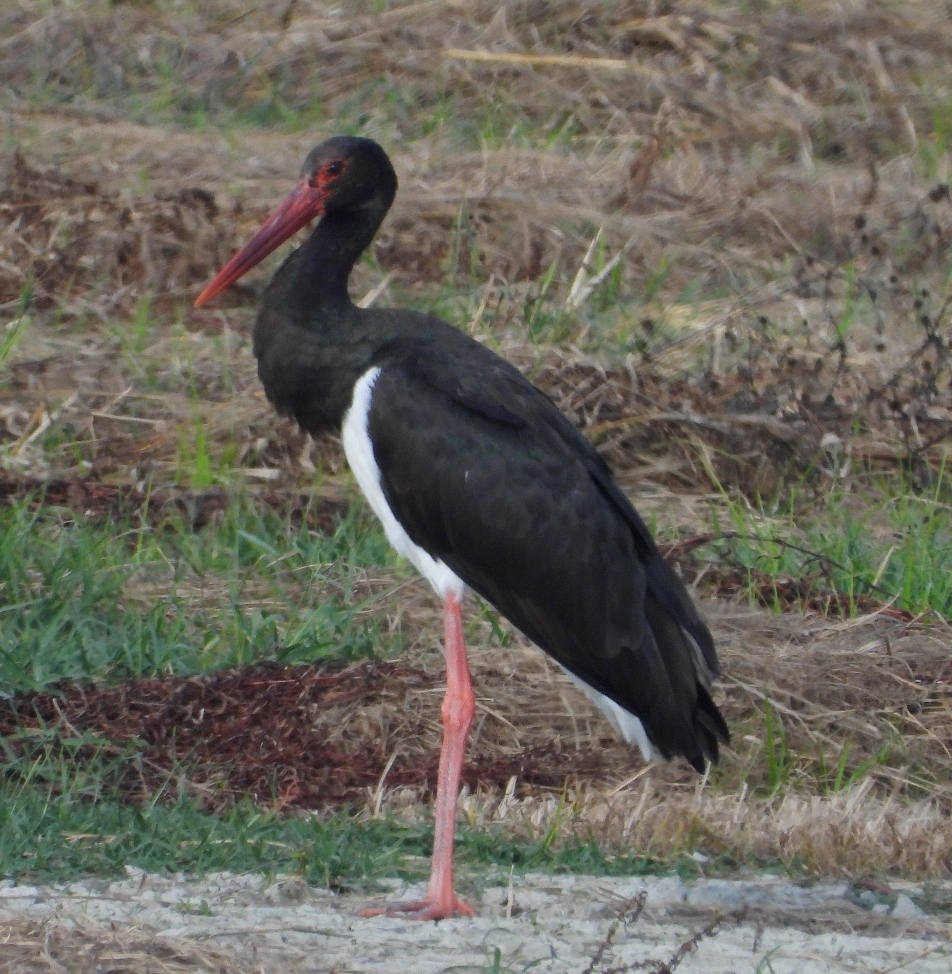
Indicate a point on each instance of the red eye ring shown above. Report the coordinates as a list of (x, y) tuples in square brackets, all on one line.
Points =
[(327, 172)]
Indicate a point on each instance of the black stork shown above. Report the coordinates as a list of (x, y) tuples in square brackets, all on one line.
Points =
[(480, 481)]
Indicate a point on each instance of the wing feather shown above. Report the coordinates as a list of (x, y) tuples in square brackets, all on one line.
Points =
[(486, 474)]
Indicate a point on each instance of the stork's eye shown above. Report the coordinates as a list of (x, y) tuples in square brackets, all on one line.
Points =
[(327, 172)]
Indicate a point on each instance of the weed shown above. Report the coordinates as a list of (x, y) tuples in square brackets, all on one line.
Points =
[(778, 763), (890, 544), (765, 966), (14, 333)]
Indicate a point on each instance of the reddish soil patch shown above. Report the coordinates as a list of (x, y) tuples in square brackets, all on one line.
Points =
[(274, 734)]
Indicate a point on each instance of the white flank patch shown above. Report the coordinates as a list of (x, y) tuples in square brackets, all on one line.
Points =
[(360, 456), (625, 723)]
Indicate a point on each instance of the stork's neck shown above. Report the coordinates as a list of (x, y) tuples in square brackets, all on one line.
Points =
[(311, 342), (325, 260)]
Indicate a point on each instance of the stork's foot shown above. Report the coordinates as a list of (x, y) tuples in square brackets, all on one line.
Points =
[(429, 909)]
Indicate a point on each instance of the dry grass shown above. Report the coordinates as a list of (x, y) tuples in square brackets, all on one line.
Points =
[(29, 947), (728, 144), (874, 692), (850, 835), (787, 167)]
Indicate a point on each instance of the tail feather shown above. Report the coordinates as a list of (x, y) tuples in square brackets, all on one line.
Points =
[(667, 587), (711, 725), (695, 727)]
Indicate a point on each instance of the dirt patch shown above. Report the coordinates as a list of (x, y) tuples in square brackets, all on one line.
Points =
[(298, 737), (196, 509), (563, 925)]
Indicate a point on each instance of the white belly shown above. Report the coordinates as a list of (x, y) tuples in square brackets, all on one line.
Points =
[(360, 456)]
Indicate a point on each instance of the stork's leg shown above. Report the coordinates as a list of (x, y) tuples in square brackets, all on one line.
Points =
[(459, 705)]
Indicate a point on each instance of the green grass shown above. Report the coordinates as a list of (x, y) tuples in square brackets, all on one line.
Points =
[(93, 598), (47, 835), (86, 598), (887, 541), (62, 816)]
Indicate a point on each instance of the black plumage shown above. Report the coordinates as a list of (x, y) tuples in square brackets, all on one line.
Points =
[(486, 474), (479, 467)]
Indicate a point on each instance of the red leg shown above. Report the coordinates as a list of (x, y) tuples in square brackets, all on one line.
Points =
[(459, 705)]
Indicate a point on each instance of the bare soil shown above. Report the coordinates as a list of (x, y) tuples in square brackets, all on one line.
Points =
[(565, 925)]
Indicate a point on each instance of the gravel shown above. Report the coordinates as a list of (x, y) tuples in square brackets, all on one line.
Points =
[(584, 925)]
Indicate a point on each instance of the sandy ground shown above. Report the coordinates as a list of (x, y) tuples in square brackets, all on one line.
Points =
[(543, 923)]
